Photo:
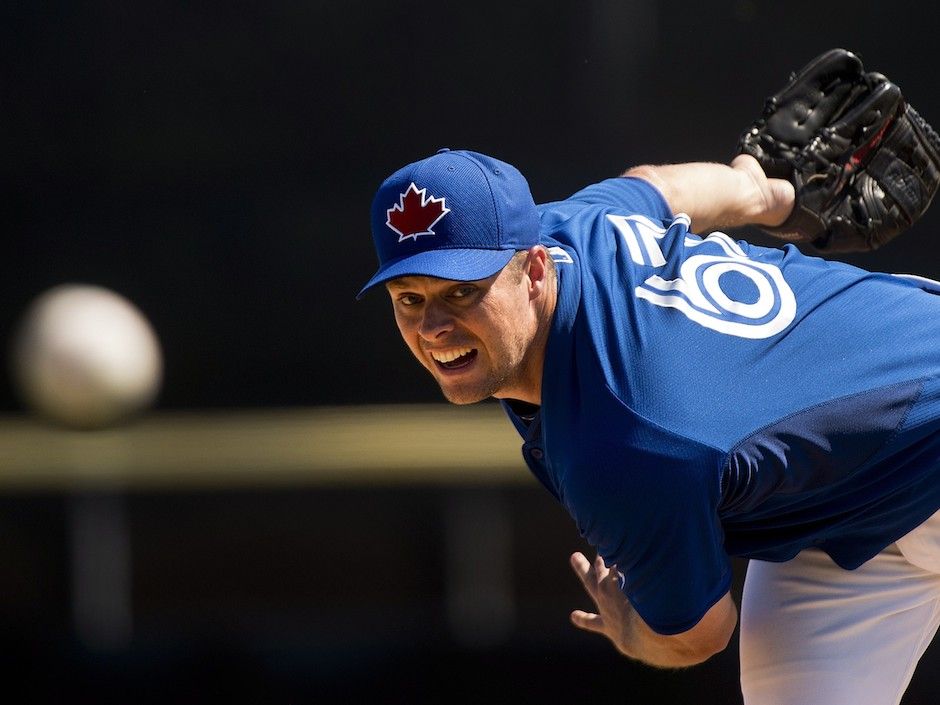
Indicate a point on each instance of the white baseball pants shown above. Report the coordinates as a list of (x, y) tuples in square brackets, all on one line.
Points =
[(815, 634)]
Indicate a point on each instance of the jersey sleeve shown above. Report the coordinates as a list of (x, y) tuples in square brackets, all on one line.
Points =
[(928, 285), (654, 514), (628, 193)]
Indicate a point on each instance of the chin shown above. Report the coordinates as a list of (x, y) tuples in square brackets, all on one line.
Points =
[(471, 389), (462, 397), (466, 393)]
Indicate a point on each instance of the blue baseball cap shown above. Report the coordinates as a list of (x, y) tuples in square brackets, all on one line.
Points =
[(456, 215)]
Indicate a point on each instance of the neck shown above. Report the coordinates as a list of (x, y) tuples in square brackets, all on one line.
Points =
[(529, 387)]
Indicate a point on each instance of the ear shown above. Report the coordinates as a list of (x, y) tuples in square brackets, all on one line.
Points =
[(537, 271)]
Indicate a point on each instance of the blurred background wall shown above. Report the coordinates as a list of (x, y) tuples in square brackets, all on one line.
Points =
[(214, 162)]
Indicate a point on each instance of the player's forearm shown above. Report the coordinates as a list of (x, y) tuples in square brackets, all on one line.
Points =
[(721, 195), (617, 620), (639, 642)]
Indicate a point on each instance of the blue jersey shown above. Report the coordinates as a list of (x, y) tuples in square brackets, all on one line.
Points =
[(703, 397)]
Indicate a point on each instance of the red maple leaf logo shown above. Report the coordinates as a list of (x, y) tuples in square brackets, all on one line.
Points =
[(415, 213)]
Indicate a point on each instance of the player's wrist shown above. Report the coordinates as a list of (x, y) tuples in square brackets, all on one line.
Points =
[(769, 201), (780, 199)]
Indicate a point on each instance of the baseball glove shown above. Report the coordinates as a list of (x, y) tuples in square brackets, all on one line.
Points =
[(863, 163)]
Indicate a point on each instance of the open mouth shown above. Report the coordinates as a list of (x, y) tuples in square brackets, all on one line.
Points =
[(454, 359)]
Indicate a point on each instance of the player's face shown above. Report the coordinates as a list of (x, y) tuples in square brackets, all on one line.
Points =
[(475, 337)]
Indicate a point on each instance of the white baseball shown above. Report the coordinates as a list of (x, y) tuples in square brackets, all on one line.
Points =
[(86, 357)]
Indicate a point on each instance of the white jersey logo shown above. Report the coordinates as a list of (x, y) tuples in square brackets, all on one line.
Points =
[(698, 292)]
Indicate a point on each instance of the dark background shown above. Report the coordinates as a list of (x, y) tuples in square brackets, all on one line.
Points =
[(215, 162)]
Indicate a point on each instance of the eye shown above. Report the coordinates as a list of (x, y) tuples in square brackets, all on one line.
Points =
[(408, 299), (463, 291)]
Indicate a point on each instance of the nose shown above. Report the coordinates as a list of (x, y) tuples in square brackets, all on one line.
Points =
[(436, 322)]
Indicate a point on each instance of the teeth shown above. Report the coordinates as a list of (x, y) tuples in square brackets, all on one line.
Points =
[(450, 355)]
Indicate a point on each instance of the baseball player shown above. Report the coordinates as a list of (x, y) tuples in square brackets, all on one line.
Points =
[(688, 397)]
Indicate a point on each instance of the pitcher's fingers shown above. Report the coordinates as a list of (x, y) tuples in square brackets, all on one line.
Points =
[(581, 566), (583, 569), (611, 584), (588, 621), (600, 570)]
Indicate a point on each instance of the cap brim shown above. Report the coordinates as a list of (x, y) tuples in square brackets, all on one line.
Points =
[(459, 265)]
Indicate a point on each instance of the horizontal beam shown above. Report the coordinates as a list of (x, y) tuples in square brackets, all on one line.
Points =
[(354, 445)]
